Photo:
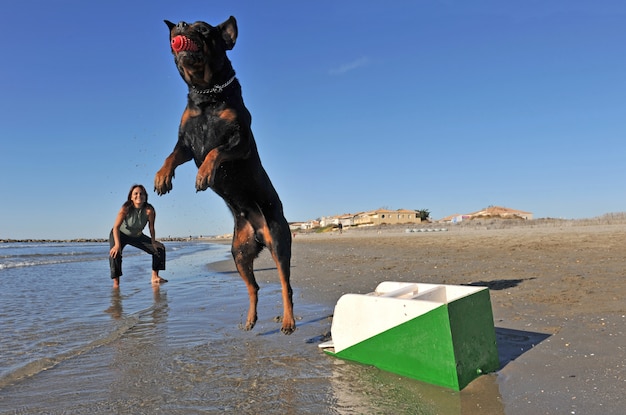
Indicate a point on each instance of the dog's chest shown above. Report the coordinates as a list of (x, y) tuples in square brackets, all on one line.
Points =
[(208, 130)]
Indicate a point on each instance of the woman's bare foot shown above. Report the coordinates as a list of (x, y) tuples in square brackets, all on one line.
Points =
[(116, 282), (158, 280)]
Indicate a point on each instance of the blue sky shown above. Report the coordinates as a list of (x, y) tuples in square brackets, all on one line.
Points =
[(449, 106)]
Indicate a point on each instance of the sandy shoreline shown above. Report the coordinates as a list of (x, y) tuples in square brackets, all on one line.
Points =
[(557, 295)]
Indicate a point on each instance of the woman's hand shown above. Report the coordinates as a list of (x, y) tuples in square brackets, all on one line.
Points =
[(157, 245), (114, 252)]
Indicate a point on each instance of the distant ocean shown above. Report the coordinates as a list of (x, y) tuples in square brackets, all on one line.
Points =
[(70, 344)]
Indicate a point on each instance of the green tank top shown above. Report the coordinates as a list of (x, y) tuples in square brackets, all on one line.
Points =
[(134, 222)]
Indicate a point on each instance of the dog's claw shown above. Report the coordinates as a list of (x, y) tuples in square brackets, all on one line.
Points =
[(249, 325), (288, 330), (163, 183), (161, 190), (289, 326), (202, 182)]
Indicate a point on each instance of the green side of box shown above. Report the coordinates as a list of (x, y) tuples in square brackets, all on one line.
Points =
[(473, 336)]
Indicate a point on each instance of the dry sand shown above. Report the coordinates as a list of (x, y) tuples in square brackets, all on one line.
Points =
[(557, 293)]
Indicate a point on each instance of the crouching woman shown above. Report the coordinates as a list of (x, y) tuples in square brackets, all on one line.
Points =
[(128, 228)]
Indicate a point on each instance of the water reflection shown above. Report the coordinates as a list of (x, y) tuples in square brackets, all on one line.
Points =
[(160, 307), (137, 355), (359, 388), (116, 308)]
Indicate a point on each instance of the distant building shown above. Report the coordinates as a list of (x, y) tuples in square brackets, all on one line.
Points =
[(374, 217), (501, 212), (345, 220), (311, 224), (388, 217), (490, 212), (457, 217)]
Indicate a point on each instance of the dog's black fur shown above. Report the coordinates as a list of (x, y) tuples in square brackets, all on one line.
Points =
[(215, 132)]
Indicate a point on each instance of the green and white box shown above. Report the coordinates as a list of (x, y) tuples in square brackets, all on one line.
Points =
[(440, 334)]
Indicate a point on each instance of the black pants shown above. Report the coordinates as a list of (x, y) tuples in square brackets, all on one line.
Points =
[(142, 242)]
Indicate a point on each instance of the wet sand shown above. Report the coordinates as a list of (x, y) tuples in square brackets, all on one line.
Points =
[(557, 293)]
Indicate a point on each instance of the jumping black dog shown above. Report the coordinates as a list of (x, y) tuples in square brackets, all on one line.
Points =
[(215, 132)]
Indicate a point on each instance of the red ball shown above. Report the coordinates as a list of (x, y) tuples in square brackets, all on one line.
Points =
[(178, 43)]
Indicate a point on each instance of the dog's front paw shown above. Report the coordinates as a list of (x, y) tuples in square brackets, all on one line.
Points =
[(204, 180), (163, 181)]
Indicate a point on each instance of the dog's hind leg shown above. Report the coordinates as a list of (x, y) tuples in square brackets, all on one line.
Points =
[(245, 249), (279, 245)]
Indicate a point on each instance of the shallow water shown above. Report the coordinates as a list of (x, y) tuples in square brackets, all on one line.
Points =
[(71, 344)]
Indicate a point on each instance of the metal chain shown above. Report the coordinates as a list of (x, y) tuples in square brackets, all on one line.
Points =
[(216, 89)]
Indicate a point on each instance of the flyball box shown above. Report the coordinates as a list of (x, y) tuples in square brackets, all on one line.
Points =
[(440, 334)]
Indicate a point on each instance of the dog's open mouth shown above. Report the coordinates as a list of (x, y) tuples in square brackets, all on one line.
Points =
[(182, 43)]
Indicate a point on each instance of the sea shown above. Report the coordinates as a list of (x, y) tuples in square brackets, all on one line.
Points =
[(71, 344)]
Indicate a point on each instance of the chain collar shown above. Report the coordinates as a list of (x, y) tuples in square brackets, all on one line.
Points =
[(214, 90)]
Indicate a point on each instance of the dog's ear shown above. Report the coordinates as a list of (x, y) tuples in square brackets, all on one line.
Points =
[(169, 24), (229, 32)]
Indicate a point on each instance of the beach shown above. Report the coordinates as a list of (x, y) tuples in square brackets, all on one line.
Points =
[(78, 346), (557, 293)]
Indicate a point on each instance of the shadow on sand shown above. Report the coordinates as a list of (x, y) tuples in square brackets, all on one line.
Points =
[(497, 285), (514, 343)]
